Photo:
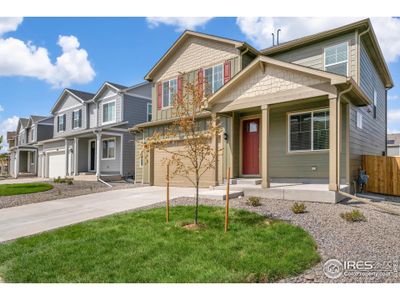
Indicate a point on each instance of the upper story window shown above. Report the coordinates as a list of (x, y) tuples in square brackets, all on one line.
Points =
[(375, 103), (214, 79), (109, 112), (61, 123), (336, 59), (309, 131), (76, 118), (169, 89), (32, 134), (149, 112), (390, 142)]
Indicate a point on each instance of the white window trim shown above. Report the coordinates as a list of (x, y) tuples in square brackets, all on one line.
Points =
[(212, 75), (312, 131), (115, 112), (73, 121), (169, 92), (147, 111), (58, 123), (347, 60), (359, 120), (115, 149)]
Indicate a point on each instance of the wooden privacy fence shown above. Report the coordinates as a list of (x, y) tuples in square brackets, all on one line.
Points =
[(384, 174)]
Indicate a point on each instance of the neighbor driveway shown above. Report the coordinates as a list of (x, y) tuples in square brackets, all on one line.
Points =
[(30, 219)]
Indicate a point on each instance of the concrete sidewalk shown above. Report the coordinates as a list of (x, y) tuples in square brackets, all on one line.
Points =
[(34, 218), (23, 180)]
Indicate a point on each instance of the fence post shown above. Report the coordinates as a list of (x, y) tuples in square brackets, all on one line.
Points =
[(167, 204)]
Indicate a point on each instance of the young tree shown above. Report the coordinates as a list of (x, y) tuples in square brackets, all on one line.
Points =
[(190, 129), (1, 142)]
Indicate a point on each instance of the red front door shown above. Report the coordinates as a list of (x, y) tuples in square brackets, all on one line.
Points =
[(250, 147)]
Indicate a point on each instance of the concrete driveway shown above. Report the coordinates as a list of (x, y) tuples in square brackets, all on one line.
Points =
[(30, 219), (23, 180)]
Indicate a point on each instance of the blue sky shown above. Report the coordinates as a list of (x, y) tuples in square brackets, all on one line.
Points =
[(93, 50)]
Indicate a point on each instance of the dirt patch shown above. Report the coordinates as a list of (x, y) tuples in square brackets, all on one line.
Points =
[(194, 226)]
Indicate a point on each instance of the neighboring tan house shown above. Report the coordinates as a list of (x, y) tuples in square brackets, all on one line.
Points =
[(90, 134), (303, 111), (22, 144), (393, 144)]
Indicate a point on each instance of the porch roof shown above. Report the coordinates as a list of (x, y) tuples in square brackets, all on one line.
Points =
[(334, 83)]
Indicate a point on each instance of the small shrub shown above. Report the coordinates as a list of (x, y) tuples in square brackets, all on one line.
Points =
[(353, 216), (253, 201), (70, 182), (299, 208)]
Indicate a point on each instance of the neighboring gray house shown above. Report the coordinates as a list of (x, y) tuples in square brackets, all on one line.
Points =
[(393, 144), (22, 144), (91, 132)]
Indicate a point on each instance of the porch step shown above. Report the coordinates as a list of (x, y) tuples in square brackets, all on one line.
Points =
[(248, 181), (111, 177), (85, 177), (220, 194)]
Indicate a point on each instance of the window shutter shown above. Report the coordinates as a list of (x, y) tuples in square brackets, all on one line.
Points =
[(58, 123), (159, 95), (80, 118), (65, 119), (200, 80), (227, 71), (180, 88)]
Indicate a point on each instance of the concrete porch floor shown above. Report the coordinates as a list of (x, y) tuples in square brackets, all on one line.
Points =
[(314, 192)]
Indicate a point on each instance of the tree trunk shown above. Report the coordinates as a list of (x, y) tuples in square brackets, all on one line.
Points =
[(196, 212)]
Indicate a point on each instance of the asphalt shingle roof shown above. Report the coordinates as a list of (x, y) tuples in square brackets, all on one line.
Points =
[(85, 96)]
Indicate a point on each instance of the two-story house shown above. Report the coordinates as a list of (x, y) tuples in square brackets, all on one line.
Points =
[(393, 144), (91, 135), (22, 144), (304, 111)]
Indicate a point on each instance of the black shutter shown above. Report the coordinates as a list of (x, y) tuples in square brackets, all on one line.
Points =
[(65, 119), (80, 118), (58, 123)]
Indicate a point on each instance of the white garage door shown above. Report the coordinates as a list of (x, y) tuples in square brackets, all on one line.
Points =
[(57, 165)]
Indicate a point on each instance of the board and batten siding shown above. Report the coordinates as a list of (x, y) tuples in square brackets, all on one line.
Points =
[(92, 112), (313, 55), (371, 139)]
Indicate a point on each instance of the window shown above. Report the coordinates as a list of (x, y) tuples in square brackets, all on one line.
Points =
[(108, 149), (32, 134), (109, 113), (375, 103), (336, 59), (141, 162), (169, 92), (77, 119), (390, 142), (149, 112), (61, 123), (213, 77), (359, 120), (309, 131)]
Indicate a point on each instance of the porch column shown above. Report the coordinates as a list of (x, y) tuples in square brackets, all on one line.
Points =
[(348, 176), (333, 145), (16, 164), (264, 145), (214, 144), (76, 156), (66, 158), (98, 145)]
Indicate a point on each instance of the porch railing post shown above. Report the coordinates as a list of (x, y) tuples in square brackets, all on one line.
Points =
[(76, 156), (264, 146), (98, 145)]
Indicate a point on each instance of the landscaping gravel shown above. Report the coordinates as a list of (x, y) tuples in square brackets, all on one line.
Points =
[(377, 239), (62, 190)]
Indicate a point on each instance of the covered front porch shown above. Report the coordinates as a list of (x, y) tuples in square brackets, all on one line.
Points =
[(23, 162), (288, 149)]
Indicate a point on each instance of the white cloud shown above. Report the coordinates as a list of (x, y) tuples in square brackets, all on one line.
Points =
[(181, 23), (1, 108), (258, 30), (393, 97), (9, 124), (19, 58), (9, 24)]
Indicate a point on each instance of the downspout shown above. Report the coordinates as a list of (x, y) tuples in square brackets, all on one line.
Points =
[(339, 134)]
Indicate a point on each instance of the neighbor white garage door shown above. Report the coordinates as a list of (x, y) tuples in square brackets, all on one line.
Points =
[(56, 164)]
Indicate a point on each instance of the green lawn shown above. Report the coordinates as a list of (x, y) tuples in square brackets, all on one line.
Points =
[(139, 247), (23, 188)]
